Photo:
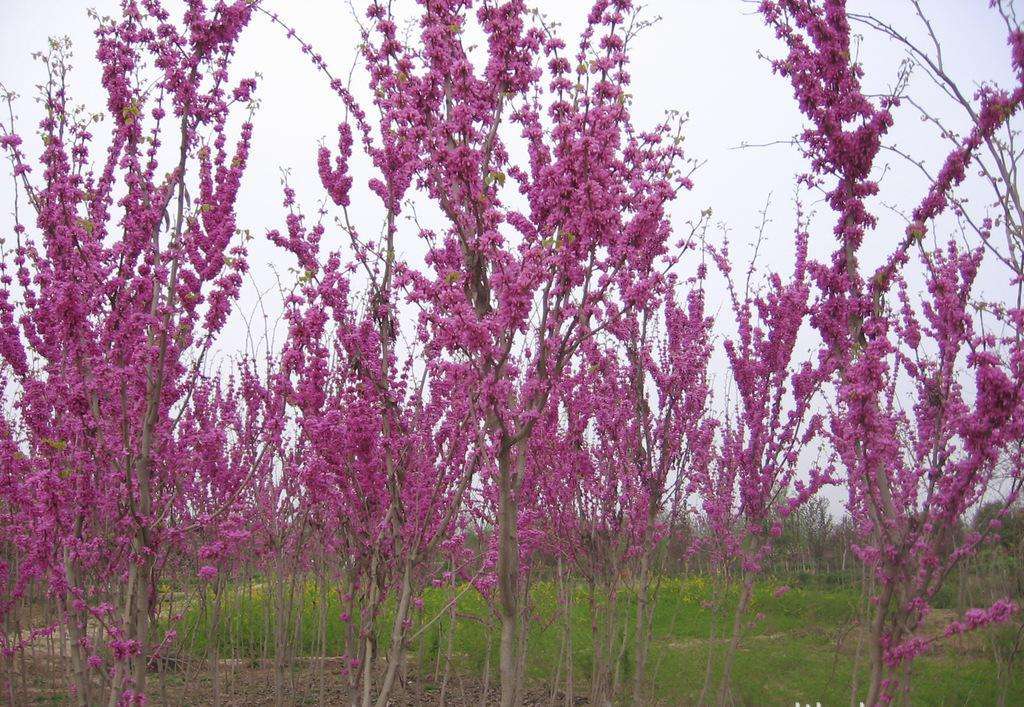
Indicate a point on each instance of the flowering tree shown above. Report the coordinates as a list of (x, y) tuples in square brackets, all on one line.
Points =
[(511, 295), (753, 483), (912, 475), (637, 433), (110, 299), (386, 461), (227, 483)]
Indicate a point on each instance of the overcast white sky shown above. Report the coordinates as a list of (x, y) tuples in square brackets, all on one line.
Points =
[(702, 58)]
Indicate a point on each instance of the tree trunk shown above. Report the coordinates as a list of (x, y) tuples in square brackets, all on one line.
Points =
[(368, 627), (396, 649), (641, 639), (449, 647), (877, 654), (141, 610), (565, 598), (724, 686), (484, 693), (76, 632), (281, 607), (215, 646), (709, 665), (322, 597), (508, 583)]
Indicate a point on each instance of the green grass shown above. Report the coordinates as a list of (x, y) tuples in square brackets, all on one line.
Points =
[(790, 652)]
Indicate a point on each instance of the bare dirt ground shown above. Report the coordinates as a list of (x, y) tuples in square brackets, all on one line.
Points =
[(251, 684)]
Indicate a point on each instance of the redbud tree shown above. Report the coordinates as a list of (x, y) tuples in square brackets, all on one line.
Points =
[(535, 254), (912, 473), (763, 466), (112, 292)]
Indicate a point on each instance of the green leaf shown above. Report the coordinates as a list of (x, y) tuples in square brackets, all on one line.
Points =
[(57, 444), (130, 112)]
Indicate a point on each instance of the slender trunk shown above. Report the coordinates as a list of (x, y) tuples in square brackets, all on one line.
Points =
[(604, 627), (7, 665), (295, 644), (78, 664), (557, 679), (641, 639), (524, 602), (561, 649), (117, 683), (877, 655), (905, 683), (961, 603), (268, 614), (708, 666), (508, 582), (76, 632), (22, 605), (322, 634), (597, 666), (449, 647), (8, 681), (397, 647), (487, 665), (163, 684), (352, 645), (725, 687), (280, 623), (368, 627), (620, 658), (854, 682), (215, 646), (60, 650), (141, 599), (565, 599)]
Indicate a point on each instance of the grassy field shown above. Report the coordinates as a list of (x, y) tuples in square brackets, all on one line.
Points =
[(800, 648)]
